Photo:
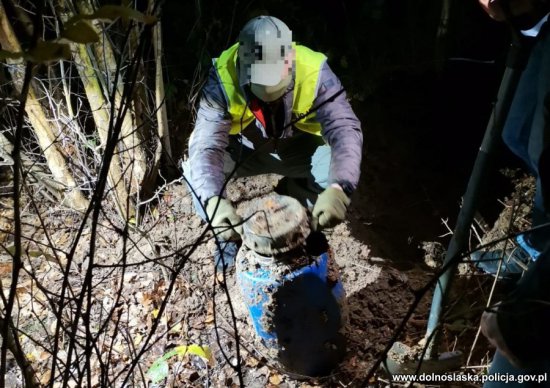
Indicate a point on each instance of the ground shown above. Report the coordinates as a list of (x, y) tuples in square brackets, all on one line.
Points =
[(378, 293), (393, 241)]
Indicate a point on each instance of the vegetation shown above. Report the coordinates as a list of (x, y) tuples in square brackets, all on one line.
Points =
[(87, 122), (96, 107)]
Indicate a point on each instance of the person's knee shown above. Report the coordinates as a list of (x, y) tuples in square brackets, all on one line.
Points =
[(302, 189), (320, 166)]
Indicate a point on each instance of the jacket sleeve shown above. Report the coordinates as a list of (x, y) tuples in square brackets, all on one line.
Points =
[(208, 141), (341, 130)]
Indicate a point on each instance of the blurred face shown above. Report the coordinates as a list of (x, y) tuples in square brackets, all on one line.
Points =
[(525, 12), (271, 93)]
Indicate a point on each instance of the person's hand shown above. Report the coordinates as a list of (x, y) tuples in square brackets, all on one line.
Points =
[(533, 9), (491, 330), (330, 208), (226, 222)]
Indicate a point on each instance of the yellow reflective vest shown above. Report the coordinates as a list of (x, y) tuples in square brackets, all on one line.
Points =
[(307, 70)]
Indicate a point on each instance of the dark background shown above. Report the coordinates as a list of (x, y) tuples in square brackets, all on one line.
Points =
[(424, 102)]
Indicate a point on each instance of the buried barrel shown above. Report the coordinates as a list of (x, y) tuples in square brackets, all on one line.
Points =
[(291, 287)]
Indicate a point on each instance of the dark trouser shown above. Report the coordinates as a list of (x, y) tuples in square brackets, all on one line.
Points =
[(501, 369), (527, 130), (527, 134), (523, 321), (303, 160)]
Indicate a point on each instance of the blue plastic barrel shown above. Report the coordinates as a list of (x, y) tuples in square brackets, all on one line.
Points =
[(298, 312)]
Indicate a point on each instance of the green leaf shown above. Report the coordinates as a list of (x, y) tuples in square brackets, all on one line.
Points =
[(159, 370), (9, 55), (29, 253), (47, 51), (10, 249), (91, 143), (80, 32), (201, 351), (47, 256), (113, 12)]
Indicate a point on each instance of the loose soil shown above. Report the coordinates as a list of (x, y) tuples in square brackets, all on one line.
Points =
[(400, 214), (378, 296)]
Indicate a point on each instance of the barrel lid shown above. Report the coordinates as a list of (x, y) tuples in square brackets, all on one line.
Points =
[(275, 224)]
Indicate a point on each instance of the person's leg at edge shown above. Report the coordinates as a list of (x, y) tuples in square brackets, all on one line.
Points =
[(501, 369), (523, 134)]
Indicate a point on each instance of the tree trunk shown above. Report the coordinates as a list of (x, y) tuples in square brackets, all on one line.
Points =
[(160, 95), (131, 148), (98, 106), (39, 121)]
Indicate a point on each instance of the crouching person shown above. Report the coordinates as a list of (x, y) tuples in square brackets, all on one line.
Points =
[(272, 106)]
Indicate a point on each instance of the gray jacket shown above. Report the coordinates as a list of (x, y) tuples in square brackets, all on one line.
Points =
[(341, 130)]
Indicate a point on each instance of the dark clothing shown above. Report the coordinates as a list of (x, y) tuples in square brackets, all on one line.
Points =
[(524, 317), (527, 129), (523, 320), (209, 142)]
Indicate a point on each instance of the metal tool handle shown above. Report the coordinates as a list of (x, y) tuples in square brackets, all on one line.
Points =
[(517, 58)]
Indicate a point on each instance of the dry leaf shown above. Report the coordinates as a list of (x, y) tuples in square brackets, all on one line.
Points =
[(45, 378), (5, 269), (40, 296), (118, 347), (137, 339), (275, 379), (62, 240), (176, 328), (146, 299), (209, 313), (209, 318), (23, 287)]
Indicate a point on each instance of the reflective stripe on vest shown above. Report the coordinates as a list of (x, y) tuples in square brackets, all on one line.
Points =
[(308, 68)]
